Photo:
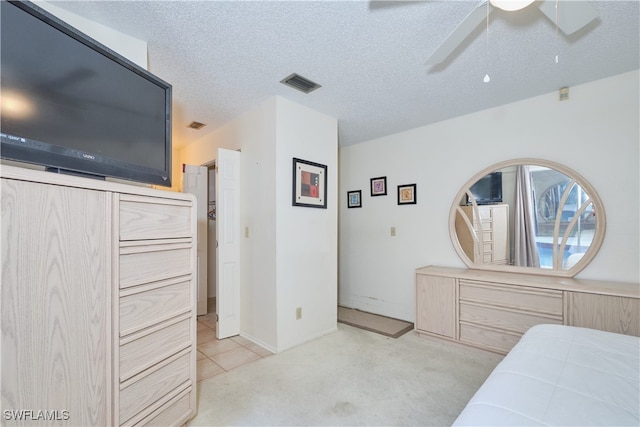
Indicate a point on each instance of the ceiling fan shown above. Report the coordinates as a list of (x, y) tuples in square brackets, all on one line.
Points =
[(570, 16)]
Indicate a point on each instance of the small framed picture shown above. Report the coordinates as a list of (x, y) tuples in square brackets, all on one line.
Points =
[(309, 184), (354, 199), (407, 194), (379, 186)]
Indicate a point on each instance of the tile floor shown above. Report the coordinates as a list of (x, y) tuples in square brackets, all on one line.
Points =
[(217, 356)]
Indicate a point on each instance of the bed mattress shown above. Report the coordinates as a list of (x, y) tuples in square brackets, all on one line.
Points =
[(561, 375)]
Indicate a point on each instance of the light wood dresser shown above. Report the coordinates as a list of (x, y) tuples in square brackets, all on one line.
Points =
[(491, 310), (98, 302)]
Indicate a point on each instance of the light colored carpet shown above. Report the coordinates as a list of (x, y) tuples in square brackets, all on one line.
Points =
[(393, 328), (350, 377)]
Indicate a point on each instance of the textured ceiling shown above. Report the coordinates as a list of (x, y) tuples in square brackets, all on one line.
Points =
[(225, 57)]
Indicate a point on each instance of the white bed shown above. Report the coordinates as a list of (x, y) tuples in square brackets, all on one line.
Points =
[(561, 375)]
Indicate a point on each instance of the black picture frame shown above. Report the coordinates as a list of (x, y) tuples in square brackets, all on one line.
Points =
[(354, 199), (379, 186), (407, 194), (309, 184)]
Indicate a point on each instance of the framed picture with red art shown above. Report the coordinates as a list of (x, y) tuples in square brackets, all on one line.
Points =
[(309, 184)]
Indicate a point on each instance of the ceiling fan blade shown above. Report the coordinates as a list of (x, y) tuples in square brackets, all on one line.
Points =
[(572, 15), (385, 4), (462, 31)]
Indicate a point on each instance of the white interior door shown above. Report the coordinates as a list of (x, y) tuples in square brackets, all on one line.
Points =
[(195, 180), (228, 235)]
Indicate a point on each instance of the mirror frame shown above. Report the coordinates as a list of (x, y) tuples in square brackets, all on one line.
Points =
[(573, 270)]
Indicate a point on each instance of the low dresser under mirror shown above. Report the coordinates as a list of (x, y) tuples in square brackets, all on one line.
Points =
[(524, 228)]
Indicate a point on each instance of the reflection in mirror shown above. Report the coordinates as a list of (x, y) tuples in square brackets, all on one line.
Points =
[(531, 215), (564, 209)]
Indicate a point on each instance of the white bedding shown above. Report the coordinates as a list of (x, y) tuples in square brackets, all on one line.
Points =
[(561, 375)]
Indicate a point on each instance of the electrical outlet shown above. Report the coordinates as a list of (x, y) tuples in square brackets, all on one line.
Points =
[(393, 231), (298, 313)]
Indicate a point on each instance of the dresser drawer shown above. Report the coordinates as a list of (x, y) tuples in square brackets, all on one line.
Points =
[(484, 226), (507, 320), (153, 305), (487, 237), (177, 409), (140, 353), (487, 338), (154, 261), (486, 213), (154, 218), (544, 301), (136, 395)]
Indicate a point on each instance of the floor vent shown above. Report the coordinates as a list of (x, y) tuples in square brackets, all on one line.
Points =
[(300, 83)]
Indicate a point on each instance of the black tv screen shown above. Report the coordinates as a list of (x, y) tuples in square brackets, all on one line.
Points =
[(72, 104), (488, 189)]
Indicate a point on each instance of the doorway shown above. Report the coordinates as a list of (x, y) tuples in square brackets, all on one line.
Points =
[(194, 181), (211, 238), (216, 186)]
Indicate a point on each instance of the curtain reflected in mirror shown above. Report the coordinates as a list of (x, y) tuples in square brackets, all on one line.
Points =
[(539, 216), (525, 251)]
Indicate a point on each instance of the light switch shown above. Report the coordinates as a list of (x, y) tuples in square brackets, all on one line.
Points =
[(393, 231), (246, 232)]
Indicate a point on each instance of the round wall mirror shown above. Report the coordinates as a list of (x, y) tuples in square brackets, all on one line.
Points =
[(527, 215)]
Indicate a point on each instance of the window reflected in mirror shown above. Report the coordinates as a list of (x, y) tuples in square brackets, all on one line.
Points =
[(567, 206)]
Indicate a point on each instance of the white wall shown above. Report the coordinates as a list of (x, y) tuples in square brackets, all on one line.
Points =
[(258, 212), (135, 50), (275, 258), (307, 238), (596, 133), (254, 134)]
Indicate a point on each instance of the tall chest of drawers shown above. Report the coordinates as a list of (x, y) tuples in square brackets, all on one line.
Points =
[(155, 309), (100, 281), (491, 225)]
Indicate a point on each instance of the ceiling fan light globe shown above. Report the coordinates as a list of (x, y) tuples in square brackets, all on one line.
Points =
[(511, 5)]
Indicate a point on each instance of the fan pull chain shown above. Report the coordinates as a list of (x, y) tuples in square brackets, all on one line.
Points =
[(487, 78), (557, 49)]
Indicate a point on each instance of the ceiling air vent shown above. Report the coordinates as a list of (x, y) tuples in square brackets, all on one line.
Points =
[(298, 82), (196, 125)]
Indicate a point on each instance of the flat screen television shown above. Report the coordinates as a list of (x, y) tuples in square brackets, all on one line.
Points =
[(71, 104), (488, 189)]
